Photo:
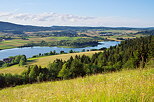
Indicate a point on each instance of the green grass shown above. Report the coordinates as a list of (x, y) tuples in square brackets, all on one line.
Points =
[(125, 86)]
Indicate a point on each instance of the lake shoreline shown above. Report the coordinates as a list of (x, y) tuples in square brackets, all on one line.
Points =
[(30, 51), (58, 46)]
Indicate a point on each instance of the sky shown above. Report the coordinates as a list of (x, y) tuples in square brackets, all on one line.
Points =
[(110, 13)]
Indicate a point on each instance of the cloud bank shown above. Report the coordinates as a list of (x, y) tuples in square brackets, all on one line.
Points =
[(50, 19)]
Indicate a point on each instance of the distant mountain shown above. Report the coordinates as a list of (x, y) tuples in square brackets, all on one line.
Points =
[(6, 27)]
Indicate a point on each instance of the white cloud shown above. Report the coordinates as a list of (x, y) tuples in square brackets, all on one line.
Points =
[(49, 19)]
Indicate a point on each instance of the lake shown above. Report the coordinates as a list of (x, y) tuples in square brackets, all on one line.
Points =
[(30, 51)]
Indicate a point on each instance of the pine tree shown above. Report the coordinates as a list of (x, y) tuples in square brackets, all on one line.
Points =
[(64, 72), (33, 73)]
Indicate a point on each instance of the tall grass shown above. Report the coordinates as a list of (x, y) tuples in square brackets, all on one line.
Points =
[(16, 69), (125, 86)]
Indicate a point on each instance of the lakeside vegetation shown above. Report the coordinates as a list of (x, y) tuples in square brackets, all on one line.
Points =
[(21, 60), (18, 41), (83, 42), (50, 41), (43, 61), (13, 60)]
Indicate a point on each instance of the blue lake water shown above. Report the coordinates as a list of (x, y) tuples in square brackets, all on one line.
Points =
[(30, 51)]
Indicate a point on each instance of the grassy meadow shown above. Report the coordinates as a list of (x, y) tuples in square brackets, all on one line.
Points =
[(16, 69), (124, 86), (43, 61)]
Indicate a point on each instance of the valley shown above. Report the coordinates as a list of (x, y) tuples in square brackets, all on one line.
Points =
[(77, 63), (76, 51)]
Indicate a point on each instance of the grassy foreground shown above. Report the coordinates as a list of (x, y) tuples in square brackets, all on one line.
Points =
[(43, 61), (125, 86)]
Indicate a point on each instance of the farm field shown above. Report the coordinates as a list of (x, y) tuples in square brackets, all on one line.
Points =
[(125, 86), (20, 42), (17, 41), (120, 31)]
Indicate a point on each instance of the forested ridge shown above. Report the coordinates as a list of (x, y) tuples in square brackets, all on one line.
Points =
[(130, 54), (147, 32), (6, 26)]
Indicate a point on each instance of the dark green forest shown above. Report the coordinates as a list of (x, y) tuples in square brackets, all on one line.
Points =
[(130, 54), (147, 32)]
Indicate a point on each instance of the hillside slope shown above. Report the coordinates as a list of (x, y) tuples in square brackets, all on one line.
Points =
[(125, 86), (43, 61)]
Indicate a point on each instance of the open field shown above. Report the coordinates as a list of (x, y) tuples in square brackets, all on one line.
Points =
[(12, 43), (43, 61), (13, 69), (65, 38), (17, 41), (125, 86), (120, 31), (114, 37), (20, 42)]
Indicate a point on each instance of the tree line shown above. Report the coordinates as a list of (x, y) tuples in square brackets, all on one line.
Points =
[(19, 59), (130, 54), (146, 32), (82, 42)]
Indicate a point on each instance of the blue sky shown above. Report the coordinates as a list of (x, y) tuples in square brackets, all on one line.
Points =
[(132, 13)]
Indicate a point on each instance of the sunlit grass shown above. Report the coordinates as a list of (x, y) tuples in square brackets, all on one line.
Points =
[(44, 61), (13, 69), (125, 86)]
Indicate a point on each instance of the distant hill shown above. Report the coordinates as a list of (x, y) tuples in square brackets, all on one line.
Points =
[(6, 27), (147, 32)]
